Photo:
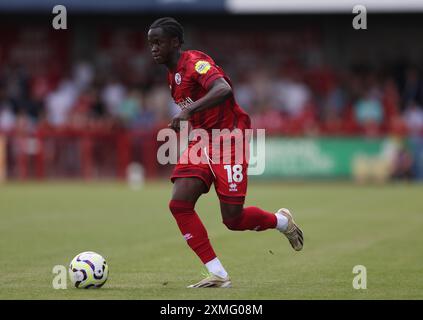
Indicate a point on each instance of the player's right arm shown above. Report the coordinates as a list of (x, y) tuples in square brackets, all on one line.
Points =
[(218, 91)]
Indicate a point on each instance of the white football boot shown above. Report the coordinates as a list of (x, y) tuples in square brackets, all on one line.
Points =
[(292, 232), (213, 281)]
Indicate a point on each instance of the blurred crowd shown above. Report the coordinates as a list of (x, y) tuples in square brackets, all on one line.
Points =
[(286, 93), (288, 82)]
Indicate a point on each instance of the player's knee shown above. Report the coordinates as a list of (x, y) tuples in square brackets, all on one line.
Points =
[(230, 211), (233, 224), (232, 215), (181, 206)]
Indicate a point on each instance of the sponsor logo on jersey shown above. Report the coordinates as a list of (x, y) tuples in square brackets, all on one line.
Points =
[(202, 66), (184, 103), (233, 187), (178, 78)]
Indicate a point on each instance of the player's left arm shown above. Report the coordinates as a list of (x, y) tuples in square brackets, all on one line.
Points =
[(219, 90)]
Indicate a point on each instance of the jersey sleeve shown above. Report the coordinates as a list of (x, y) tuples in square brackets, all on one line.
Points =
[(205, 72)]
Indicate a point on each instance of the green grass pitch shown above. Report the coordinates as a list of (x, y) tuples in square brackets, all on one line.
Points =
[(380, 227)]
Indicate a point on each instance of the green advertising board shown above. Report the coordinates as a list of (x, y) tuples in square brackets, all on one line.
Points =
[(316, 157)]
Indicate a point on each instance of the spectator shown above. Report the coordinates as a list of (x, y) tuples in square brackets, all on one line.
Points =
[(130, 107), (332, 110), (113, 95), (158, 100), (245, 96), (413, 118), (83, 75), (7, 117), (403, 164), (144, 119), (368, 113), (391, 99), (268, 118), (60, 102), (413, 87)]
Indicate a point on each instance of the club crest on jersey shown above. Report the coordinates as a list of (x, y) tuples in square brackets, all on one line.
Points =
[(202, 66), (178, 78)]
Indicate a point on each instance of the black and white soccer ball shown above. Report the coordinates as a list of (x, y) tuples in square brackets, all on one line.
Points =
[(88, 270)]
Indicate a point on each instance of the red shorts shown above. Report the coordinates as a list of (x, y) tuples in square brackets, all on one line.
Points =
[(229, 175)]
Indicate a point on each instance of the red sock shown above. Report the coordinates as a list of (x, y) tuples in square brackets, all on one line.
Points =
[(252, 218), (192, 229)]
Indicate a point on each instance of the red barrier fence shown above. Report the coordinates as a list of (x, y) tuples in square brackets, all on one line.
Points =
[(98, 154), (79, 153)]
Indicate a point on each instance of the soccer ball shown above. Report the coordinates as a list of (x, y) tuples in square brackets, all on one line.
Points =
[(88, 270)]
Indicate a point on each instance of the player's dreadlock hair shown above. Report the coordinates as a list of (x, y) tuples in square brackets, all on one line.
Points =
[(171, 27)]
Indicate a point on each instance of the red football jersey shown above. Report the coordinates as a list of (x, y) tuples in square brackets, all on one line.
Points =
[(191, 79)]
